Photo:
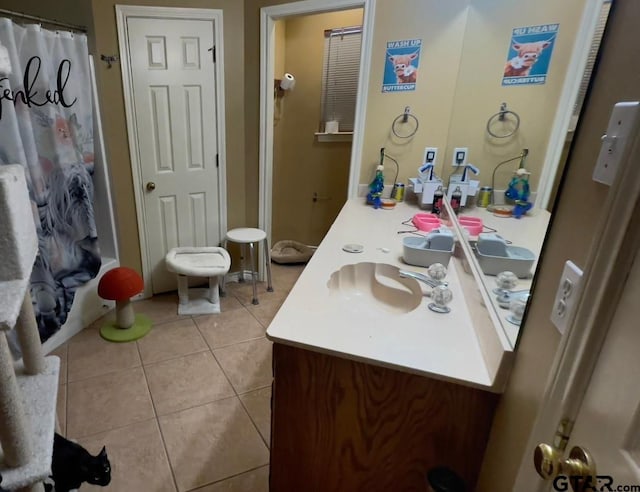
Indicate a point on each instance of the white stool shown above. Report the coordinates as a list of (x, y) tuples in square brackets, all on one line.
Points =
[(212, 262), (252, 237)]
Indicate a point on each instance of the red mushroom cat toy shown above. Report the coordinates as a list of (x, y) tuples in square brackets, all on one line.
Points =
[(120, 285)]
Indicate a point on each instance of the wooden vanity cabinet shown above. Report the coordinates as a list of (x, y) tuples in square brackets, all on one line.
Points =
[(342, 425)]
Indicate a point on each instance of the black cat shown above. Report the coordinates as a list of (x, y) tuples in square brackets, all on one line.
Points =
[(72, 465)]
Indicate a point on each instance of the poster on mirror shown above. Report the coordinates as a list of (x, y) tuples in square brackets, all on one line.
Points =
[(401, 65), (529, 54)]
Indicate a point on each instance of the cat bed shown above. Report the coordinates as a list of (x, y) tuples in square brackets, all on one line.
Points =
[(289, 251)]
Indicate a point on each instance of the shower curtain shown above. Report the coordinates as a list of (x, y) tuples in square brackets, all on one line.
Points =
[(46, 124)]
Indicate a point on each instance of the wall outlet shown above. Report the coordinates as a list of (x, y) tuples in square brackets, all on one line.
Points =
[(430, 155), (460, 156), (567, 296)]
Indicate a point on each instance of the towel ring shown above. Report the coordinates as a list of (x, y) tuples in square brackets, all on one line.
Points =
[(501, 116), (403, 118)]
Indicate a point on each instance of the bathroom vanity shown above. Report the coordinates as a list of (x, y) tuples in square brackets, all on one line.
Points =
[(371, 387)]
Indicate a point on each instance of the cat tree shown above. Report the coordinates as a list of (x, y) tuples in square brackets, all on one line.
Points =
[(28, 389)]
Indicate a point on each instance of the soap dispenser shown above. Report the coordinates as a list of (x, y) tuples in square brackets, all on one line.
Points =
[(377, 185)]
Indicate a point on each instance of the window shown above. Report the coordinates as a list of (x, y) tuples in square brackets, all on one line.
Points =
[(340, 76)]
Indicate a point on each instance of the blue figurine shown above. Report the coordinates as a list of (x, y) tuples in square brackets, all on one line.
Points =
[(518, 191), (375, 188)]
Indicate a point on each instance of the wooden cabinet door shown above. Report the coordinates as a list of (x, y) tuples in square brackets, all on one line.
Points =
[(341, 425)]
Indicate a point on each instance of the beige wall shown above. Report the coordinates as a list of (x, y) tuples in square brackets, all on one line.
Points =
[(76, 12), (441, 27), (113, 116), (302, 165), (279, 62), (569, 238), (479, 92)]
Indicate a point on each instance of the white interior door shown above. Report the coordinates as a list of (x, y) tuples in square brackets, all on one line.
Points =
[(608, 423), (173, 78)]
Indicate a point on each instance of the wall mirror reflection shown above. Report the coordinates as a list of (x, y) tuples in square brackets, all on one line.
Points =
[(514, 136), (500, 86)]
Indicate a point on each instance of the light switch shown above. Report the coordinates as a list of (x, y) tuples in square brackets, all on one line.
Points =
[(621, 123)]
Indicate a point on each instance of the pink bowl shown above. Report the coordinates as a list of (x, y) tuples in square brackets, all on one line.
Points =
[(426, 222), (472, 224)]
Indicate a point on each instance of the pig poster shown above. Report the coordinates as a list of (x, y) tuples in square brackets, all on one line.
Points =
[(401, 65), (529, 54)]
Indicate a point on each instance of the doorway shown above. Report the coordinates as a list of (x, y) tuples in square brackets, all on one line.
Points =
[(325, 204), (311, 165), (172, 74)]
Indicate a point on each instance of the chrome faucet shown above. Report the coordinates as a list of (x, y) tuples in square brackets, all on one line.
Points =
[(422, 278), (505, 298)]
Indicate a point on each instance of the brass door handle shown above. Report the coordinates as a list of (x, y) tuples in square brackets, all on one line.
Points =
[(151, 186), (579, 467)]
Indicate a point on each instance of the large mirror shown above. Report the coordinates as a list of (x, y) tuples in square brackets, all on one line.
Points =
[(507, 110)]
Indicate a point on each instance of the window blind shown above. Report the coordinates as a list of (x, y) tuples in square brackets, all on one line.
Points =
[(340, 72)]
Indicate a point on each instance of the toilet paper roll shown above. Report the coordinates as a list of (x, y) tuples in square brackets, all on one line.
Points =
[(288, 82), (331, 126)]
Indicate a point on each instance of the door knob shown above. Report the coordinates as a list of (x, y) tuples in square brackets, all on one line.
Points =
[(151, 186), (579, 467)]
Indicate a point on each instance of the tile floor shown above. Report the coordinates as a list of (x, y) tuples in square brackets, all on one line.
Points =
[(188, 406)]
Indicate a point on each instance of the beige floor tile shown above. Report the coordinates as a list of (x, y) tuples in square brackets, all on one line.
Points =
[(244, 292), (138, 460), (61, 409), (247, 364), (252, 481), (160, 308), (211, 442), (229, 327), (106, 402), (265, 311), (92, 332), (185, 382), (229, 303), (171, 340), (285, 276), (258, 405), (93, 356), (62, 352)]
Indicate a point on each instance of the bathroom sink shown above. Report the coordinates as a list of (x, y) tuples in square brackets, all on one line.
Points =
[(375, 286)]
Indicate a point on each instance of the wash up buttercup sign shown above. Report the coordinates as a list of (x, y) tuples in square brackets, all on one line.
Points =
[(401, 65), (529, 54)]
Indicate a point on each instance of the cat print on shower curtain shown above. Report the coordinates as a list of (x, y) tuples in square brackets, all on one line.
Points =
[(46, 124), (69, 255)]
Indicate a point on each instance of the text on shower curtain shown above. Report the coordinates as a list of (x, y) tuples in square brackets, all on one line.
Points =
[(30, 97)]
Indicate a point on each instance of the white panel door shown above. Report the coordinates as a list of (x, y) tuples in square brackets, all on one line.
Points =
[(608, 424), (172, 71)]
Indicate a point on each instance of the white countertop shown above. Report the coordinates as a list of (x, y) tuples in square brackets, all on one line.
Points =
[(444, 346), (527, 232)]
